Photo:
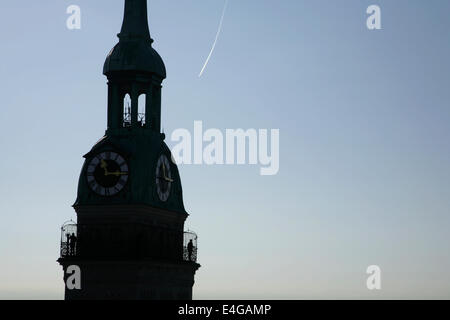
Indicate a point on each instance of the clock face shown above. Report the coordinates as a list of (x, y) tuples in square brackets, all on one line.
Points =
[(107, 173), (163, 178)]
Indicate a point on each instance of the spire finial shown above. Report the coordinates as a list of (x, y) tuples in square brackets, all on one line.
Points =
[(135, 21)]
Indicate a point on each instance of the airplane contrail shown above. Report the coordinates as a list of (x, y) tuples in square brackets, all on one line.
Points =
[(217, 37)]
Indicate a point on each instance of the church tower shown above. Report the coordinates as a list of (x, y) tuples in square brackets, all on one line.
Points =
[(129, 240)]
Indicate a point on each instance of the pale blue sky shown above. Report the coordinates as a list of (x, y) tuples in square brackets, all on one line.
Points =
[(364, 140)]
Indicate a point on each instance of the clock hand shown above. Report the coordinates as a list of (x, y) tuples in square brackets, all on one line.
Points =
[(104, 165), (164, 170), (165, 179), (117, 173), (164, 174)]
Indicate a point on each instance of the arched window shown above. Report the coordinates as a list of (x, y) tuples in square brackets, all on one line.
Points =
[(127, 111), (141, 109)]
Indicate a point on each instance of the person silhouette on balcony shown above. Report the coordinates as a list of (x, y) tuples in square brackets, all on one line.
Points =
[(72, 244), (190, 249)]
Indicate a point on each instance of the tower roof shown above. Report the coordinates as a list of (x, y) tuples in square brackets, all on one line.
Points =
[(134, 52)]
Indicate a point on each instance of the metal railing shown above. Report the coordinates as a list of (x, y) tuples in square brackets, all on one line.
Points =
[(127, 119), (141, 119), (68, 239), (190, 246), (72, 235)]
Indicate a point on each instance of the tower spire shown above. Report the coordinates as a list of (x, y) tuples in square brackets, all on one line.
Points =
[(133, 67), (135, 21)]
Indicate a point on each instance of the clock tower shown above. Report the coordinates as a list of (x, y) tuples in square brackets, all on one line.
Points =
[(129, 240)]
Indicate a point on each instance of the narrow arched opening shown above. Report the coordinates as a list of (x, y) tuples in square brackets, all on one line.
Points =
[(141, 109), (127, 110)]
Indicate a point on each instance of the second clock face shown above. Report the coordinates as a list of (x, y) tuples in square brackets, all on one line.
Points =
[(107, 173), (163, 178)]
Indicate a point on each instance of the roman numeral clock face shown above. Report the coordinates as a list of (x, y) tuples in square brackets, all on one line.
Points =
[(107, 173), (163, 178)]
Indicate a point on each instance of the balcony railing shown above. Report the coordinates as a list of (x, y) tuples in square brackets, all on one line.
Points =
[(69, 240), (100, 241), (190, 246), (127, 119)]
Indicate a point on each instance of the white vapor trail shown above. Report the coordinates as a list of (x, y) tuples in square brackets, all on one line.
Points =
[(217, 37)]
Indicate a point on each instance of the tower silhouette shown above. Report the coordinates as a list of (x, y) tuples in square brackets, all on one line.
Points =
[(129, 240)]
